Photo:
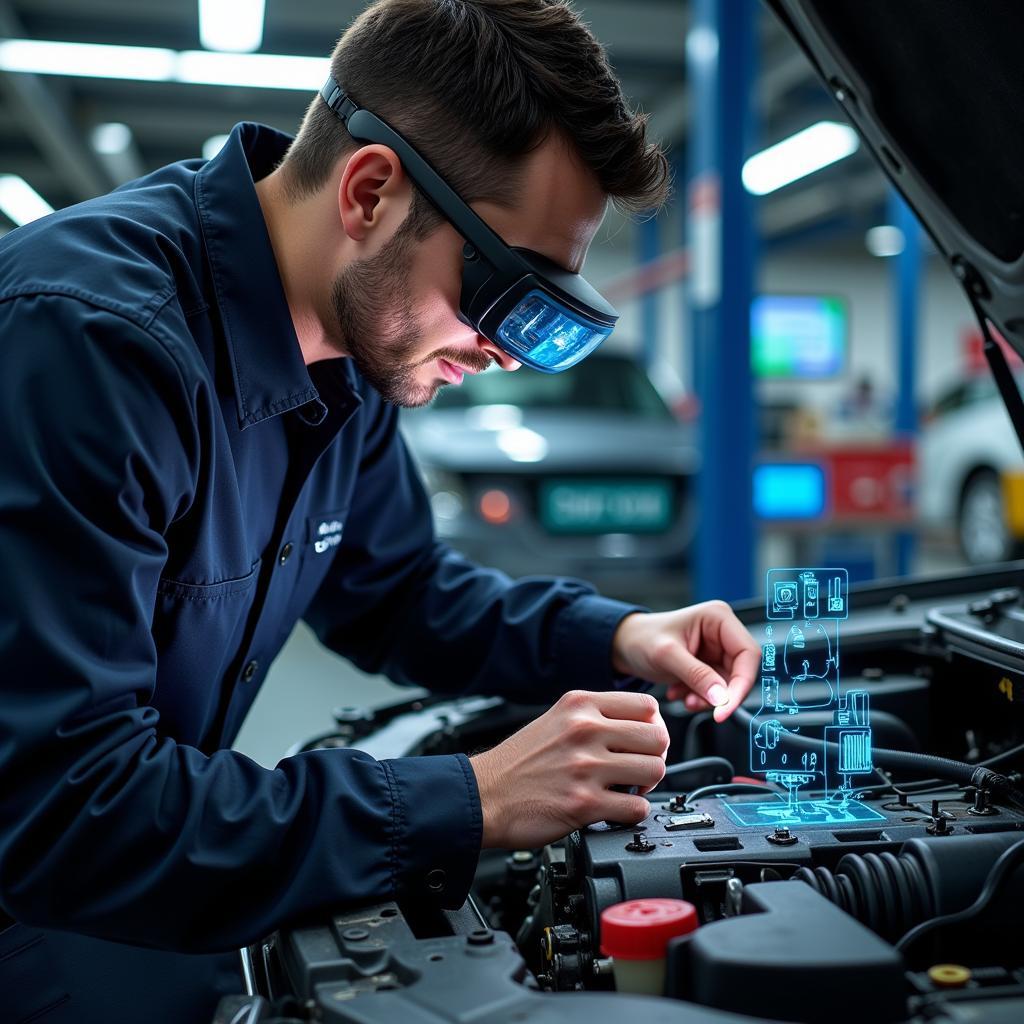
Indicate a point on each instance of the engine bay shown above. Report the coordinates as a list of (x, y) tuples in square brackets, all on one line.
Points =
[(901, 906)]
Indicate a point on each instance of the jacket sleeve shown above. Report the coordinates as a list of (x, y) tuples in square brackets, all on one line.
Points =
[(107, 825), (399, 602)]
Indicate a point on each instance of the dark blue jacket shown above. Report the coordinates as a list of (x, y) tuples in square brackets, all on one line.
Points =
[(176, 489)]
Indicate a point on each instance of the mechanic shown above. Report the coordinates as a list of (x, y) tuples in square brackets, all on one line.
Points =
[(198, 415)]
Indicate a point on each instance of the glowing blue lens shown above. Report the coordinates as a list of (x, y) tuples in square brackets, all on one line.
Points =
[(545, 334)]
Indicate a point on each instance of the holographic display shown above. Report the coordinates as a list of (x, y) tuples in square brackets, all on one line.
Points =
[(808, 735)]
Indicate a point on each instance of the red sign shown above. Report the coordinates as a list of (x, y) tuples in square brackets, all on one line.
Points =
[(871, 483)]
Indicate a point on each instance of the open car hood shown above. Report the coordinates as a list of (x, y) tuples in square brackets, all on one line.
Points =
[(936, 90)]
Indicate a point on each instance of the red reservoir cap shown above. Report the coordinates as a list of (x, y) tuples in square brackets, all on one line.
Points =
[(641, 929)]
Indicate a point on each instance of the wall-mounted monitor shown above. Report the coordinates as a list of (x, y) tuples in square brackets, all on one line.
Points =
[(798, 337)]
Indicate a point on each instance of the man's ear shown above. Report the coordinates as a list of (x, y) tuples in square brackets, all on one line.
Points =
[(374, 191)]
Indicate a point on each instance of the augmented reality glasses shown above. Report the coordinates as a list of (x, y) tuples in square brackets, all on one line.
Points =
[(539, 313)]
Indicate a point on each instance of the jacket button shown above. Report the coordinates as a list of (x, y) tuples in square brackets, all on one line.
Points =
[(286, 552), (436, 880), (250, 670)]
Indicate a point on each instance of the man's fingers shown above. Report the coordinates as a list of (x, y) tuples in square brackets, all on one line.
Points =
[(633, 770), (736, 695), (694, 702), (626, 705), (623, 807), (746, 654), (745, 668), (698, 676), (637, 738)]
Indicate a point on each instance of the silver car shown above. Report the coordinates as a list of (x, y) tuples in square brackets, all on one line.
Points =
[(585, 473)]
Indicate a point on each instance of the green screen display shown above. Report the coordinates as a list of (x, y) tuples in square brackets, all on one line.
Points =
[(797, 336)]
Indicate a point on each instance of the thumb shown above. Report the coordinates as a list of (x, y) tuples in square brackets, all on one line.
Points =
[(699, 677)]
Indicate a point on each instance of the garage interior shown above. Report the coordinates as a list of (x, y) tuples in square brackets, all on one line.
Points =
[(797, 378)]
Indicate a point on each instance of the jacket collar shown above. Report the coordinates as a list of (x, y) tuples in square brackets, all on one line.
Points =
[(270, 376)]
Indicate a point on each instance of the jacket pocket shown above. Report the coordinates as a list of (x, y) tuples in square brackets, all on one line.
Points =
[(198, 629), (209, 591)]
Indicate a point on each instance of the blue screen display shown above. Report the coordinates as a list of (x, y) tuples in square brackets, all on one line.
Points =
[(789, 491)]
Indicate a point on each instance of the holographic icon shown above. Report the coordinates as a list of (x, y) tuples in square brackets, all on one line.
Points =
[(808, 734)]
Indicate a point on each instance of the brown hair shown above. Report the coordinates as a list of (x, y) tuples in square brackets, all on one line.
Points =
[(475, 85)]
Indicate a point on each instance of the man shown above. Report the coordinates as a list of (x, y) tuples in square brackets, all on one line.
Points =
[(198, 420)]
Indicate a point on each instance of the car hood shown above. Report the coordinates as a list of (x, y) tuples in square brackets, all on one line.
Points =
[(533, 442), (936, 90)]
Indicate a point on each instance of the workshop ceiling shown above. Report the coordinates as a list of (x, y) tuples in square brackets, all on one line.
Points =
[(46, 121)]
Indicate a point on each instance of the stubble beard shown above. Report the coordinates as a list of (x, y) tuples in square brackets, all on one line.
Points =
[(384, 346)]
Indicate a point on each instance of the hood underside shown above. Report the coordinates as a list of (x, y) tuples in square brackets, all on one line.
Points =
[(936, 89)]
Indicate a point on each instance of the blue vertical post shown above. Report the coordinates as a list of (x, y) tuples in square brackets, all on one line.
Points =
[(649, 241), (720, 50), (906, 279)]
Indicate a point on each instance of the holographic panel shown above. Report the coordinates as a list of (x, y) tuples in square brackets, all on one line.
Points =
[(805, 813)]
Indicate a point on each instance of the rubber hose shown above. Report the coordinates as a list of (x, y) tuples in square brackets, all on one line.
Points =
[(888, 894)]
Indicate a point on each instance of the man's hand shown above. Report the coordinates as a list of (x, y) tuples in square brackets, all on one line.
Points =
[(553, 776), (703, 653)]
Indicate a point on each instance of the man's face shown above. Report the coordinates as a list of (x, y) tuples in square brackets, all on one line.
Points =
[(397, 310)]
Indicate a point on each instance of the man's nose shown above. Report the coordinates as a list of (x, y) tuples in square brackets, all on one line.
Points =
[(499, 355)]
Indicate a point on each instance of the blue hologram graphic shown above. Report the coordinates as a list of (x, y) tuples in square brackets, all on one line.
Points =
[(808, 734), (807, 813)]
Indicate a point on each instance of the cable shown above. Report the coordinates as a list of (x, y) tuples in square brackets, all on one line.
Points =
[(700, 764), (954, 771), (730, 789), (1009, 860), (926, 784)]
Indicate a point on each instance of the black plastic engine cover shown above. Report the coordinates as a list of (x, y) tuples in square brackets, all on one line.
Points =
[(791, 955), (367, 967)]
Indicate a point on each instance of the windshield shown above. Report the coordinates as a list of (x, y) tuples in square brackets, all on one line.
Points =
[(600, 384)]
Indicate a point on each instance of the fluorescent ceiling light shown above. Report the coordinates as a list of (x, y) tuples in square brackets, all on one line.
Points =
[(87, 60), (885, 240), (152, 64), (111, 138), (259, 70), (235, 25), (213, 145), (20, 201), (804, 153)]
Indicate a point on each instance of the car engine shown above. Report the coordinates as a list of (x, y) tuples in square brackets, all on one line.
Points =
[(907, 911)]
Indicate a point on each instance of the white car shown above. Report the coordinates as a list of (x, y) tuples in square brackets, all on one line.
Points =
[(971, 473)]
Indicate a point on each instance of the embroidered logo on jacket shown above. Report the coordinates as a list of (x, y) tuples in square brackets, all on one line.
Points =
[(328, 535)]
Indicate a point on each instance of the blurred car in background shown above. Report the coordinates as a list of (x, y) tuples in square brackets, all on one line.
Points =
[(585, 473), (970, 471)]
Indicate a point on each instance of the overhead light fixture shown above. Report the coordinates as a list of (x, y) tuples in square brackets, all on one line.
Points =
[(808, 151), (87, 60), (112, 138), (235, 25), (152, 64), (885, 240), (20, 201), (257, 70), (213, 145), (702, 44)]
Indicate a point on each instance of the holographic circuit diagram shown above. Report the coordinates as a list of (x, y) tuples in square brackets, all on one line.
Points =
[(808, 734)]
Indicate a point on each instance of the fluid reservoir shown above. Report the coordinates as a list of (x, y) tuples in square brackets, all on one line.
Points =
[(635, 933)]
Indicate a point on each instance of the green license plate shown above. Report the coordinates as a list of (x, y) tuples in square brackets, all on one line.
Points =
[(597, 506)]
